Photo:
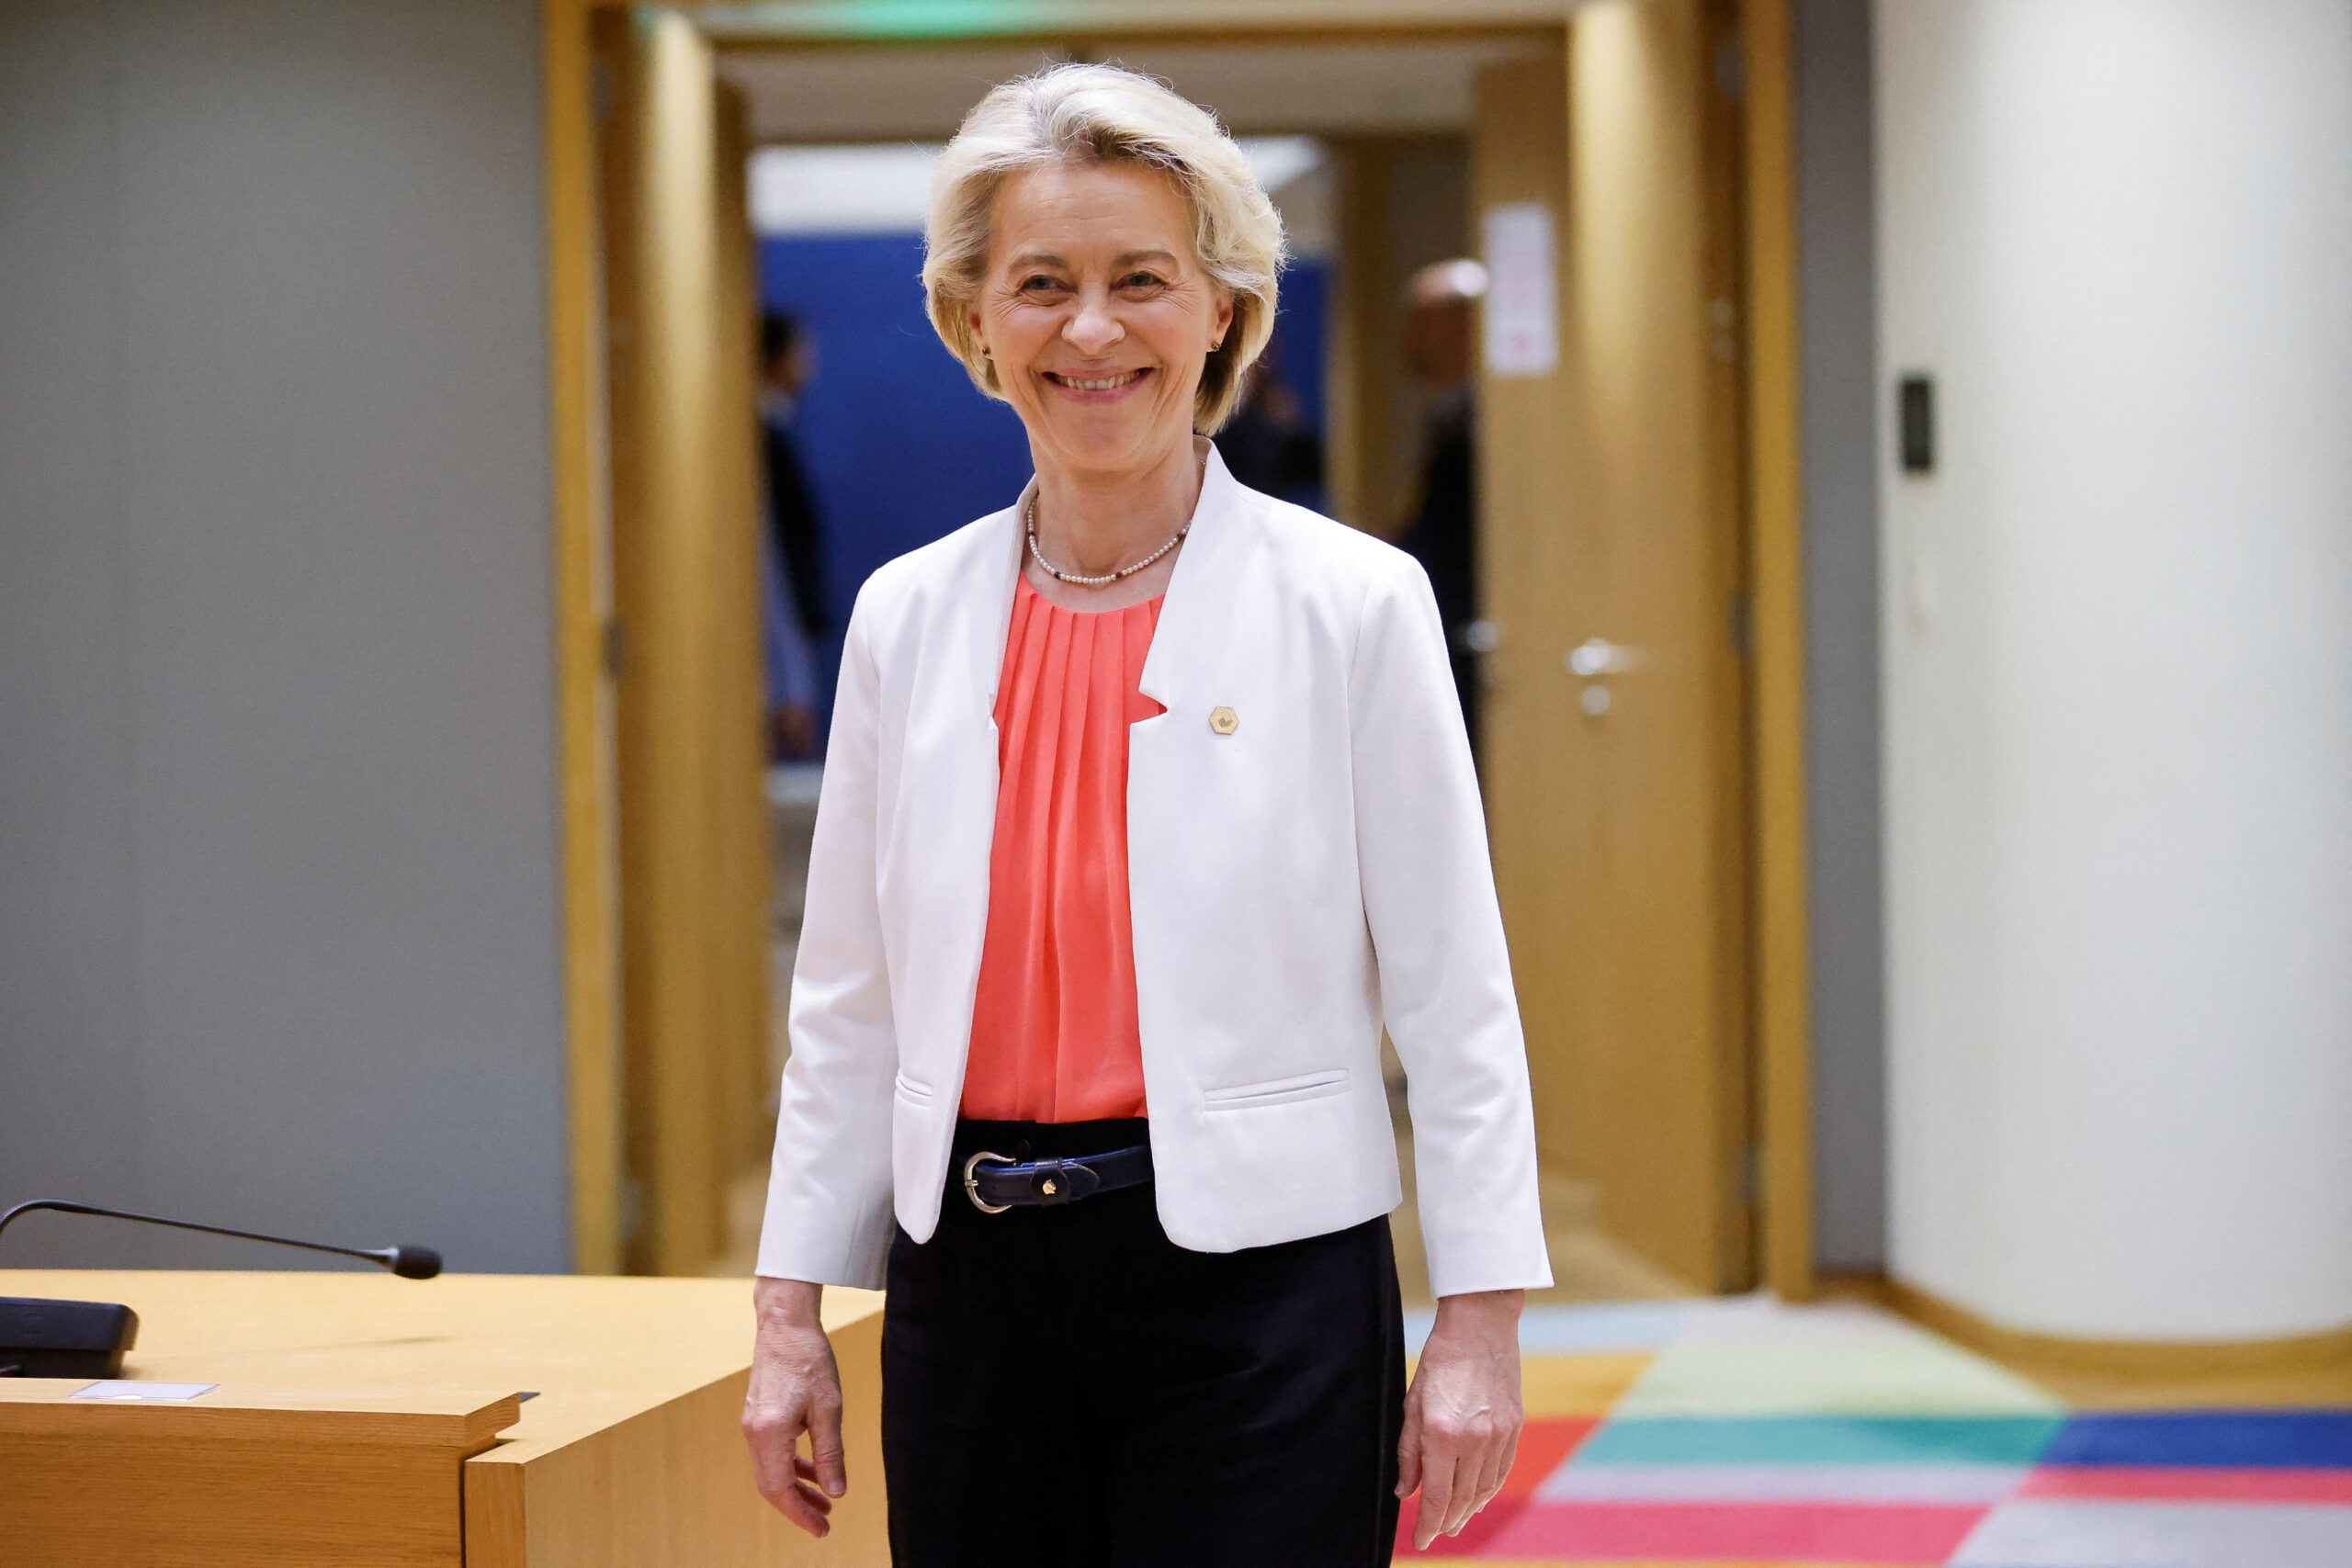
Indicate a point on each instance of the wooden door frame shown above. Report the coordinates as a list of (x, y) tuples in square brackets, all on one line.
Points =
[(584, 745), (1779, 929), (1780, 1000)]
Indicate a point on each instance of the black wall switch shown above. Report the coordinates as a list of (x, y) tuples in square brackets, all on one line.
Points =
[(1917, 397)]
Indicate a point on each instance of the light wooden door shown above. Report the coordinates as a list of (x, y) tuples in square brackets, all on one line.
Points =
[(1612, 510), (693, 830)]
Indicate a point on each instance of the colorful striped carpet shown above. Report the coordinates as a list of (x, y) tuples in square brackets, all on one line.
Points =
[(1743, 1432)]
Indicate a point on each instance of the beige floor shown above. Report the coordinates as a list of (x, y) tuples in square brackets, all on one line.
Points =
[(2318, 1374), (2327, 1385)]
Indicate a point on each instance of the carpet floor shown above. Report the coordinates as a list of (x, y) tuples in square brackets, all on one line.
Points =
[(1744, 1432)]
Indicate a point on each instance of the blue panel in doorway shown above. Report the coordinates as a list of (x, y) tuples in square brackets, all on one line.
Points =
[(900, 447)]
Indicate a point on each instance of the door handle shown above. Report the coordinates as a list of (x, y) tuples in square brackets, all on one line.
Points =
[(1593, 658), (1598, 656)]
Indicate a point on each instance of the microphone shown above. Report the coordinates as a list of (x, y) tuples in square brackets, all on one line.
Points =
[(42, 1338)]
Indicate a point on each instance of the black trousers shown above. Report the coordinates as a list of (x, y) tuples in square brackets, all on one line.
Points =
[(1068, 1388)]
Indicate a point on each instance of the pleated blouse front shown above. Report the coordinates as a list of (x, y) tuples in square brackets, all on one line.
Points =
[(1054, 1031)]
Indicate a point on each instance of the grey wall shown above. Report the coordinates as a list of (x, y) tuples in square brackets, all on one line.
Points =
[(1836, 278), (278, 845)]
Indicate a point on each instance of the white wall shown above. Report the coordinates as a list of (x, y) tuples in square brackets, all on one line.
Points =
[(2117, 642), (278, 904)]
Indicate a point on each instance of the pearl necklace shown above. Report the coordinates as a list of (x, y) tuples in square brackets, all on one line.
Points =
[(1029, 517)]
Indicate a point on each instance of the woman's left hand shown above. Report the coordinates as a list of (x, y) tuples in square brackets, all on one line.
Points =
[(1461, 1415)]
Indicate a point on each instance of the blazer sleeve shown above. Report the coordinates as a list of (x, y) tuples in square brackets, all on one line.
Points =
[(1437, 933), (829, 1218)]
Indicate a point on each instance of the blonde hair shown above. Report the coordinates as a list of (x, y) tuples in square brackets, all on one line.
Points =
[(1100, 114)]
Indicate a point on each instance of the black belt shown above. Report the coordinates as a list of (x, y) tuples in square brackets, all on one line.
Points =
[(1048, 1183)]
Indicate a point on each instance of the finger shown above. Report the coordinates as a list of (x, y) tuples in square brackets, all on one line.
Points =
[(1482, 1479), (771, 1432), (1464, 1501), (1408, 1448), (1437, 1486), (825, 1446), (804, 1476), (802, 1507), (1437, 1498), (1474, 1481), (1491, 1465), (1507, 1459), (780, 1467)]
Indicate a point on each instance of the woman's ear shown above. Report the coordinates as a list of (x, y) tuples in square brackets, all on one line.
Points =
[(1221, 320)]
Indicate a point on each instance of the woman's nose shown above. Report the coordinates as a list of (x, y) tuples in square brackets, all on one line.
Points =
[(1093, 329)]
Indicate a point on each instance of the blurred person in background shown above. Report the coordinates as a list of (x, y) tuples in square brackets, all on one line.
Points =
[(788, 665), (1147, 806), (1440, 345), (794, 616)]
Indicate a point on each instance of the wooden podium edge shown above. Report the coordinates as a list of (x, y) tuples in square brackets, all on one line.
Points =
[(469, 1421), (673, 1483)]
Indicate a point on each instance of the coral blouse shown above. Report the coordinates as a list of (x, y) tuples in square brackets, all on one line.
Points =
[(1053, 1033)]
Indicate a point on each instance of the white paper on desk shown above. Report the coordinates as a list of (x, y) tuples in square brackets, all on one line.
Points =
[(1522, 328), (129, 1392)]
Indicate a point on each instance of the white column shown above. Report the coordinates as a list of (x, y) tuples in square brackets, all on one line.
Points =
[(2118, 646)]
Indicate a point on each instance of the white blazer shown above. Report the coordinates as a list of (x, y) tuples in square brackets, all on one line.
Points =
[(1295, 884)]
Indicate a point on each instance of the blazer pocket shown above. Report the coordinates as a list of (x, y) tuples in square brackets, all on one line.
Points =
[(1278, 1091), (913, 1089)]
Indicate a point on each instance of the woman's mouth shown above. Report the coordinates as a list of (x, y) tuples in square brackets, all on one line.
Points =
[(1104, 383)]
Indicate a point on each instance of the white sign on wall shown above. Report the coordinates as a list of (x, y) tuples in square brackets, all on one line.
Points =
[(1523, 319)]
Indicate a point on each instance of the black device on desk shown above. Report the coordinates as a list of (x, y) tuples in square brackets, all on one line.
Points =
[(40, 1338)]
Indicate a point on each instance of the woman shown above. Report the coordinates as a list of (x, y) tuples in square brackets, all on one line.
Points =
[(1147, 804)]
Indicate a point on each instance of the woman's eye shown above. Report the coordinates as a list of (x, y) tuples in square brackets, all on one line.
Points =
[(1040, 284), (1140, 280)]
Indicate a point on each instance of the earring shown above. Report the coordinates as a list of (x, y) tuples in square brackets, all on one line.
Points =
[(984, 352)]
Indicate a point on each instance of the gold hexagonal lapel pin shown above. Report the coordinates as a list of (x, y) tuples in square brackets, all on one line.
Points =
[(1225, 721)]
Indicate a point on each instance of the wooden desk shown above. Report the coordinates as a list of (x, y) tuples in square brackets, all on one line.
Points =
[(349, 1399)]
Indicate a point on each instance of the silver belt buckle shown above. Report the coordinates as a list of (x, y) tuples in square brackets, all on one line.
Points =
[(972, 1181)]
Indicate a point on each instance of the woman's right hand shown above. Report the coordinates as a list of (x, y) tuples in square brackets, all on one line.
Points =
[(796, 1388)]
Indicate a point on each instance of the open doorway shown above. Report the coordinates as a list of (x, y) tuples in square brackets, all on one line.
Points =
[(1594, 169)]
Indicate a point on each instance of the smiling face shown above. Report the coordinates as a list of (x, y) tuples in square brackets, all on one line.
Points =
[(1097, 313)]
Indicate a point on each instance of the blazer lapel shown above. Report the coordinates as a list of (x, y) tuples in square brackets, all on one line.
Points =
[(947, 812), (1195, 618), (983, 608)]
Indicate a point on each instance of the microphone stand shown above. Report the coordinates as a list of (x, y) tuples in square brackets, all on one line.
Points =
[(41, 1338)]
